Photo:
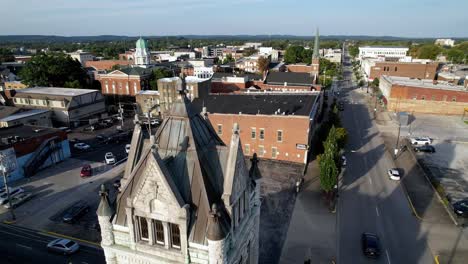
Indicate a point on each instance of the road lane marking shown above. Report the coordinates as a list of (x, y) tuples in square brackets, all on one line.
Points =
[(370, 180), (388, 257), (377, 211), (23, 246)]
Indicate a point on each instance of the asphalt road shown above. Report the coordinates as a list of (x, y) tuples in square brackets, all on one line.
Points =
[(23, 246), (369, 201)]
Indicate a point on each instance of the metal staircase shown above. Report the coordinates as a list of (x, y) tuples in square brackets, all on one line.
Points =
[(44, 151)]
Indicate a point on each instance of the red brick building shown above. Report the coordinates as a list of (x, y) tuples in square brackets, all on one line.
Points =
[(301, 67), (127, 81), (106, 65), (276, 126), (290, 81), (231, 82), (402, 94), (404, 69)]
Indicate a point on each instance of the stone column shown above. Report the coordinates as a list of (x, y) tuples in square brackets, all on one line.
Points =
[(151, 234)]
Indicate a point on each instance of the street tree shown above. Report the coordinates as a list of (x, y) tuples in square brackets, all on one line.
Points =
[(157, 74), (53, 69), (375, 82), (263, 64)]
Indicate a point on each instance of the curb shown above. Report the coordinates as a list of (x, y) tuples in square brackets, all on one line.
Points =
[(415, 213), (49, 233)]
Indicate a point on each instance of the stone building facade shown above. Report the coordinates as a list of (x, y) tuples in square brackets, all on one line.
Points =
[(185, 197)]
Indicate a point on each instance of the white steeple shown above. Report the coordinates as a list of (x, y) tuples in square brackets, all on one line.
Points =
[(142, 54)]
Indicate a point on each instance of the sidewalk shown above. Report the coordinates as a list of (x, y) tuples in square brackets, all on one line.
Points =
[(312, 230)]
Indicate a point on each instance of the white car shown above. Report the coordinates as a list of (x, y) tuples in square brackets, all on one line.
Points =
[(127, 148), (110, 158), (63, 246), (394, 174), (82, 146), (13, 192), (421, 141)]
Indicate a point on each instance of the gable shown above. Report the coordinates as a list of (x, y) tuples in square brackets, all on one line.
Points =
[(117, 72), (156, 192)]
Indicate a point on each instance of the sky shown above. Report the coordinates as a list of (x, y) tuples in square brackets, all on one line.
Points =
[(402, 18)]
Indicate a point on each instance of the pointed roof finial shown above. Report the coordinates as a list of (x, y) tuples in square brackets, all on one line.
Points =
[(104, 208), (316, 55)]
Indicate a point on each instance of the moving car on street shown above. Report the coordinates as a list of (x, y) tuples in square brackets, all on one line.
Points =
[(370, 245), (86, 171), (394, 174), (82, 146), (421, 141), (110, 158), (425, 148), (461, 208), (63, 246), (13, 192), (19, 199), (75, 212)]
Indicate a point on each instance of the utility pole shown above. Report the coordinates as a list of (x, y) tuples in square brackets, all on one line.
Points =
[(121, 114), (4, 173), (397, 147)]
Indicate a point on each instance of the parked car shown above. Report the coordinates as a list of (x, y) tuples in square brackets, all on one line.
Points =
[(13, 193), (82, 146), (19, 199), (394, 174), (461, 208), (89, 129), (86, 171), (102, 138), (425, 148), (110, 158), (127, 148), (370, 245), (75, 212), (63, 246), (421, 141)]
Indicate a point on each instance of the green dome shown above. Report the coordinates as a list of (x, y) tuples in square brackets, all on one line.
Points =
[(141, 43)]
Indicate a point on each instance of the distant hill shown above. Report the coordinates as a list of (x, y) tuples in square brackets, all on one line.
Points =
[(52, 38)]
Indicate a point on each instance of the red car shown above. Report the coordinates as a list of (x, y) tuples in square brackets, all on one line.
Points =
[(86, 171)]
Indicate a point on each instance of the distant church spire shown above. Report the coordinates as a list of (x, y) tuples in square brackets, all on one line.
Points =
[(316, 55)]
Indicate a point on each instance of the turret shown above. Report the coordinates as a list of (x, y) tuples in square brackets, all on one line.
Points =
[(216, 236), (104, 213), (316, 59)]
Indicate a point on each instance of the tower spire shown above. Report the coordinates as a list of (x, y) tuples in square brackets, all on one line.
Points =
[(316, 55)]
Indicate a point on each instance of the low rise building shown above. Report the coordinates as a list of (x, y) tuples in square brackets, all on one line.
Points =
[(70, 107), (374, 69), (12, 85), (34, 117), (397, 53), (276, 126), (148, 102), (125, 82), (445, 42), (107, 65), (169, 90), (402, 94), (29, 149), (82, 56), (232, 82), (289, 82)]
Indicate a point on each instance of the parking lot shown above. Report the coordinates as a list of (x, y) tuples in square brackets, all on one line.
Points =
[(55, 189)]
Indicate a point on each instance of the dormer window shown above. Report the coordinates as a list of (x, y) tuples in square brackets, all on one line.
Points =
[(159, 229), (143, 229), (175, 236)]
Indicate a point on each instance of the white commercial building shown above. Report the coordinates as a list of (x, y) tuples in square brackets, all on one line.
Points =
[(203, 72), (445, 42), (383, 52), (82, 56)]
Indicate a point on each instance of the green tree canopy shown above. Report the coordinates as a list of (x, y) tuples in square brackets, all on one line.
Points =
[(297, 54), (375, 82), (228, 59), (157, 74), (426, 51), (263, 64), (6, 55), (53, 69)]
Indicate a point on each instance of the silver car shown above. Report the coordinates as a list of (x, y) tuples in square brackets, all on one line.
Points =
[(63, 246), (19, 199), (13, 192)]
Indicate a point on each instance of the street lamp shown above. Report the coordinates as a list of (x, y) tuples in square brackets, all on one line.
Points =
[(4, 169), (397, 148)]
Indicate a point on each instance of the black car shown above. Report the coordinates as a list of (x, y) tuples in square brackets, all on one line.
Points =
[(75, 212), (461, 208), (425, 148), (370, 245)]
